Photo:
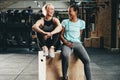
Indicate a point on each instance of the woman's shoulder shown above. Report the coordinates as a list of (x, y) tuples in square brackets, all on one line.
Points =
[(65, 21), (40, 22), (81, 20), (55, 19)]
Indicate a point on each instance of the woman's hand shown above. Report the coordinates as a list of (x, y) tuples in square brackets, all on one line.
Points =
[(47, 35), (69, 44)]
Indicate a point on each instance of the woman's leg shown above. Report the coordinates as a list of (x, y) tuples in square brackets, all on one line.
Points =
[(80, 51), (42, 42), (53, 41), (66, 52)]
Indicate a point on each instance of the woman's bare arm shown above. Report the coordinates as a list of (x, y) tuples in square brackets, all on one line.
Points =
[(58, 26), (69, 44), (37, 25)]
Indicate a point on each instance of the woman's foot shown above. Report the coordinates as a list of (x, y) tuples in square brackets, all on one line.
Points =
[(65, 78), (45, 50), (52, 52)]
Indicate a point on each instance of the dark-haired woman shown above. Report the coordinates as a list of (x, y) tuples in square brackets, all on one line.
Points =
[(72, 29)]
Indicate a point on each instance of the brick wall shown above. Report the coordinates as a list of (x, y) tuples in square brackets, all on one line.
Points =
[(103, 22)]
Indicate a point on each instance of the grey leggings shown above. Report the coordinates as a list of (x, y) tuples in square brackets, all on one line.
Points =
[(78, 51)]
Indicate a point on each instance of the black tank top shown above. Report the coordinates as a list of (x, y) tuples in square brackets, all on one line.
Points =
[(48, 25)]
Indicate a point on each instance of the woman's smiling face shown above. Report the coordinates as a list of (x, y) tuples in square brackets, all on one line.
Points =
[(72, 12), (50, 10)]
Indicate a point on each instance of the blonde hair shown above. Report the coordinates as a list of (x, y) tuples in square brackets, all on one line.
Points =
[(45, 7)]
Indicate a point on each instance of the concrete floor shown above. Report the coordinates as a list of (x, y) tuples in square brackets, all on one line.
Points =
[(20, 64)]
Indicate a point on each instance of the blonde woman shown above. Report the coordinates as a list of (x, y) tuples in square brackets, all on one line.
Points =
[(48, 29)]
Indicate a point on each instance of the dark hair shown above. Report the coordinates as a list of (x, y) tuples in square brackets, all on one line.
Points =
[(75, 8)]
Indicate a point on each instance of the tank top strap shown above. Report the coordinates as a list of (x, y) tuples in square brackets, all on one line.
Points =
[(49, 25), (50, 22)]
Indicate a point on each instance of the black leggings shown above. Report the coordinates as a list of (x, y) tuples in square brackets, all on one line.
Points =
[(54, 41)]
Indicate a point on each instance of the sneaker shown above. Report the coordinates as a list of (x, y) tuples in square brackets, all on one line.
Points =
[(52, 52), (65, 78), (45, 50)]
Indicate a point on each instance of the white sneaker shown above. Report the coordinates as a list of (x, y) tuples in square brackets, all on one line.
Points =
[(45, 50), (52, 52)]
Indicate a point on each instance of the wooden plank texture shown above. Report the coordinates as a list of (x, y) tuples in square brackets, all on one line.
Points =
[(51, 68), (54, 69)]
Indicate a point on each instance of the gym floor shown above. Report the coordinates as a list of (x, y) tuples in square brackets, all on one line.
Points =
[(22, 64)]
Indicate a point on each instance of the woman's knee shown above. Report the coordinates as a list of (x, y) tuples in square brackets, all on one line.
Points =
[(65, 55), (66, 51)]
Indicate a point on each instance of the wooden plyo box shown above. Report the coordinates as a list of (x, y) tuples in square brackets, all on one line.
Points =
[(87, 42), (51, 68), (96, 42), (93, 34)]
